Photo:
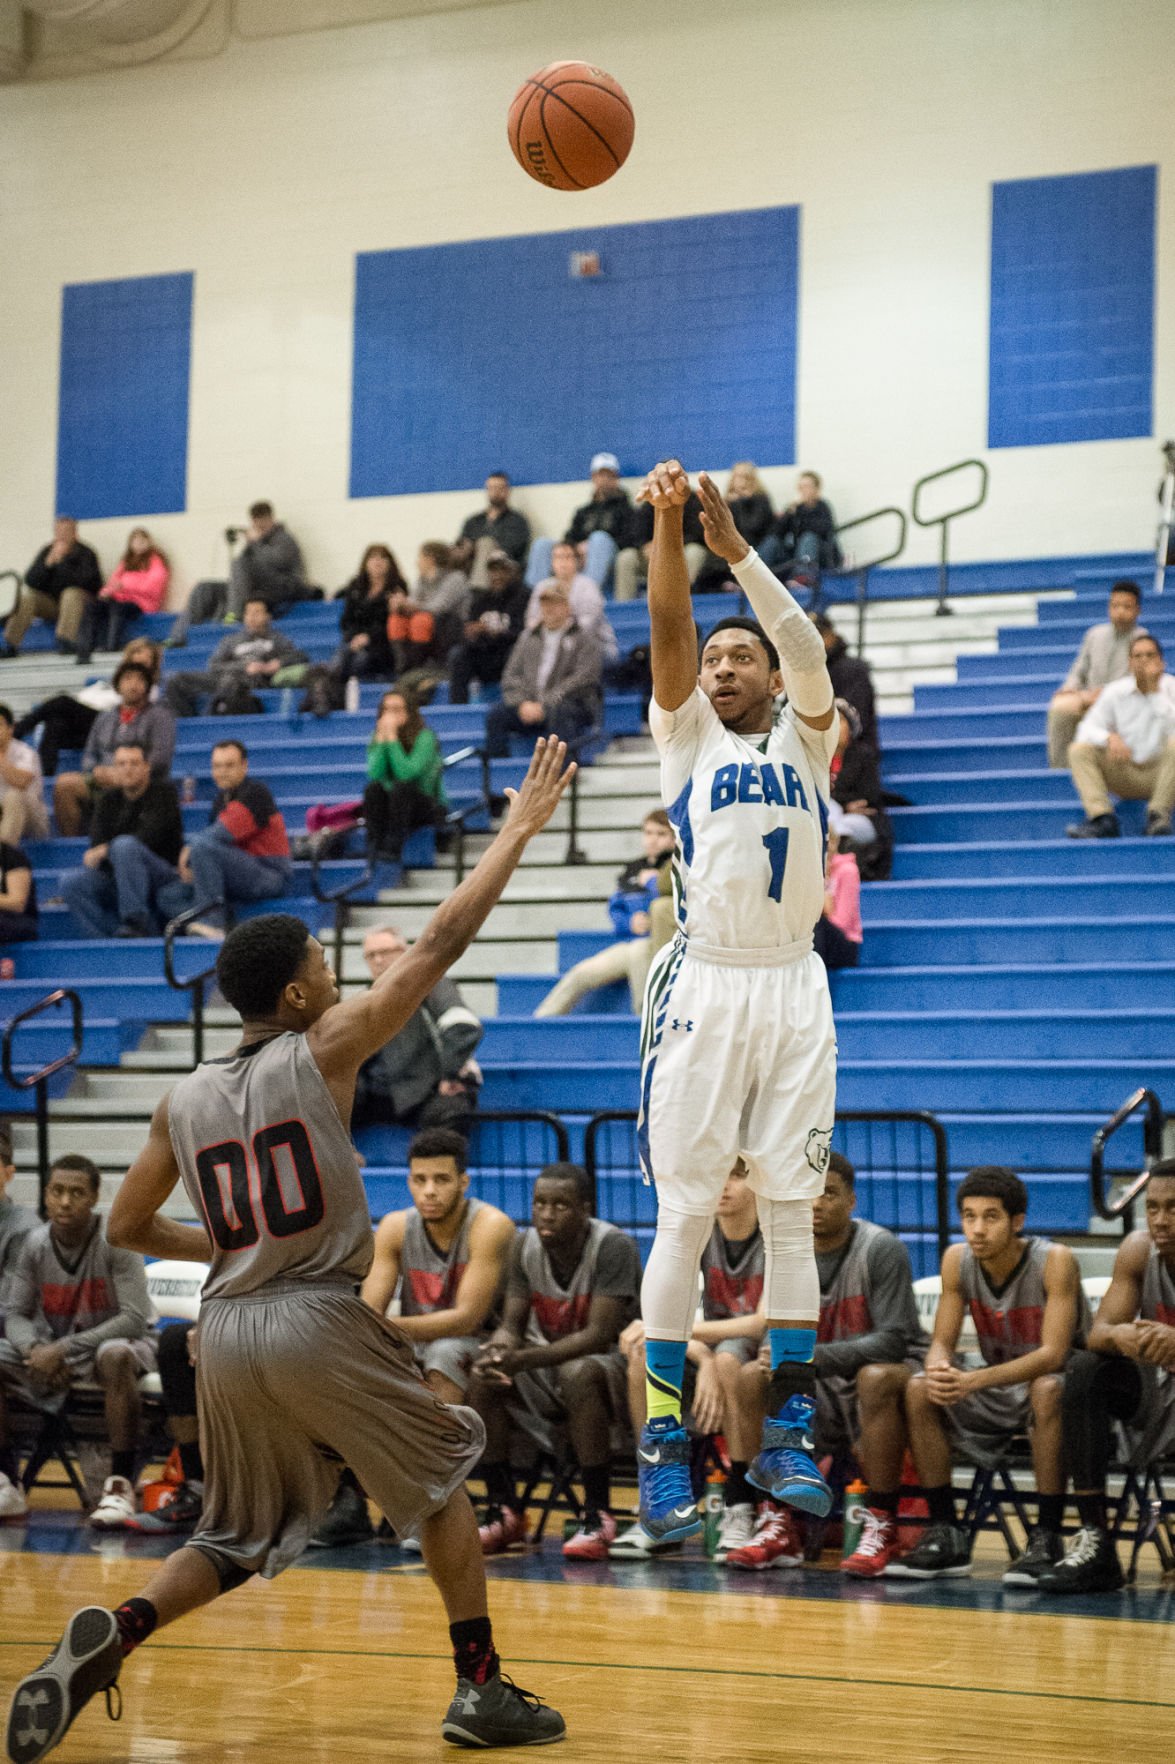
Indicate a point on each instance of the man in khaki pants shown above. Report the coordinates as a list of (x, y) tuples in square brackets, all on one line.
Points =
[(60, 584), (1104, 656), (1126, 744)]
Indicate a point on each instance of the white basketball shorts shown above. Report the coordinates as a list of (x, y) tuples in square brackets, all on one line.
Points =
[(736, 1061)]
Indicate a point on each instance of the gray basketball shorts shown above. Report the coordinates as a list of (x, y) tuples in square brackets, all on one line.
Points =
[(16, 1377), (292, 1383), (984, 1424), (535, 1404), (450, 1355), (1149, 1435)]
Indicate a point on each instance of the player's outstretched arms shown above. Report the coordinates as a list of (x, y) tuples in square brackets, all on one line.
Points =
[(135, 1221), (347, 1034), (800, 645), (673, 645)]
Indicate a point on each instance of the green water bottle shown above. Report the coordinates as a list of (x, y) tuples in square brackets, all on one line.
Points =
[(854, 1522), (713, 1503)]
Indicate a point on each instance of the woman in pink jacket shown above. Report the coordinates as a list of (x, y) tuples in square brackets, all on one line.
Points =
[(137, 585)]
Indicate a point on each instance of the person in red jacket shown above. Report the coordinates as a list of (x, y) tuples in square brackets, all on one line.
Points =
[(137, 585), (243, 854)]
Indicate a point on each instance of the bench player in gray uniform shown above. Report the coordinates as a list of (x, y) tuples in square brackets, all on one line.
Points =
[(725, 1339), (1128, 1376), (554, 1360), (1026, 1301), (294, 1371)]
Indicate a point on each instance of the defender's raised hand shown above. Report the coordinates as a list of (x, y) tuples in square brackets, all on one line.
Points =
[(667, 485), (722, 536), (532, 806)]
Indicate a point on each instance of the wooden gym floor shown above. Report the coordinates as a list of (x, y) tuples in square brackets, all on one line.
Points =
[(345, 1658)]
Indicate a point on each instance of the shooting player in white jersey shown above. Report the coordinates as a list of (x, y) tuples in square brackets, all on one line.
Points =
[(737, 1043)]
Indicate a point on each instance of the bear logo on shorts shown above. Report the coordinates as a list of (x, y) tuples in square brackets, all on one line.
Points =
[(819, 1149)]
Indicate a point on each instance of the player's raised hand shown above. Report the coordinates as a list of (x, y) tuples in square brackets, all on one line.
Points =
[(722, 536), (667, 485), (547, 777)]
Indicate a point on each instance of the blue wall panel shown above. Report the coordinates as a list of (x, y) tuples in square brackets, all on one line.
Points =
[(1072, 308), (122, 423), (489, 353)]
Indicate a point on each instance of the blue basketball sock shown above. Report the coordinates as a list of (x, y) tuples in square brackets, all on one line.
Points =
[(664, 1376), (791, 1347)]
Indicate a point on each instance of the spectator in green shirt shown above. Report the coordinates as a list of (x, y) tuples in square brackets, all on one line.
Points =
[(404, 786)]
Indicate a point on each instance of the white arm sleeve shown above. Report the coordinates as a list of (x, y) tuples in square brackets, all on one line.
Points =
[(800, 645)]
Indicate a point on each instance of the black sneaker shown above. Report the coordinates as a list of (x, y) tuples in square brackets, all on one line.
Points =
[(1089, 1565), (1158, 826), (1096, 827), (1043, 1551), (182, 1513), (499, 1713), (86, 1660), (943, 1549), (346, 1522)]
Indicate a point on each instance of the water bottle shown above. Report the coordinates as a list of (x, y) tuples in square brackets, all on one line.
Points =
[(188, 791), (351, 694), (854, 1522), (713, 1503)]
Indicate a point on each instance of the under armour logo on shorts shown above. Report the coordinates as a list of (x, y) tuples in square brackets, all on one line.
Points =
[(677, 1023)]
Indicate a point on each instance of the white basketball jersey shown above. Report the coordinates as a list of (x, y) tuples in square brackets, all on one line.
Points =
[(751, 818)]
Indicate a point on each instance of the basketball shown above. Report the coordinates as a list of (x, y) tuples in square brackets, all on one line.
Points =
[(570, 126)]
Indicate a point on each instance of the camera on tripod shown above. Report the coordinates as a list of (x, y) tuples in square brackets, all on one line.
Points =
[(232, 534)]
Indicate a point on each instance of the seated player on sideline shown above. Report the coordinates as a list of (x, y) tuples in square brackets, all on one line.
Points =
[(868, 1342), (1029, 1311), (725, 1339), (1128, 1376), (738, 1047), (553, 1362), (446, 1254), (291, 1363)]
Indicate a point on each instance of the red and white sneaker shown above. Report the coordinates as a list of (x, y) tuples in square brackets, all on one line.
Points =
[(590, 1542), (116, 1508), (878, 1547), (504, 1529), (775, 1542)]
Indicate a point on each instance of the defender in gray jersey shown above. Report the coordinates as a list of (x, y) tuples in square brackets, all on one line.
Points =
[(1025, 1298), (1125, 1381), (295, 1372)]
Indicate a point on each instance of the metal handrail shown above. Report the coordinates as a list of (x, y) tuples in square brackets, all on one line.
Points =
[(193, 983), (39, 1080), (861, 570), (340, 898), (11, 576), (456, 821), (545, 1116), (1122, 1206), (943, 521)]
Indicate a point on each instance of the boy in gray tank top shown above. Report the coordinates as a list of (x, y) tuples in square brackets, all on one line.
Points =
[(1025, 1298), (1127, 1377), (295, 1372)]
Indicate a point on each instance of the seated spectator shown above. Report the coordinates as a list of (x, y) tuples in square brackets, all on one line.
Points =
[(76, 1309), (803, 543), (243, 663), (856, 813), (22, 794), (1104, 656), (628, 958), (1127, 1377), (441, 591), (269, 568), (553, 1363), (364, 651), (134, 718), (243, 854), (753, 515), (838, 936), (65, 720), (599, 529), (128, 885), (868, 1344), (551, 683), (18, 896), (493, 624), (15, 1221), (405, 778), (589, 609), (851, 676), (724, 1340), (426, 1076), (1026, 1302), (1126, 744), (59, 587), (632, 565), (496, 527), (137, 585)]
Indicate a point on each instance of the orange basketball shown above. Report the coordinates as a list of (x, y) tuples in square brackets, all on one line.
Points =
[(570, 126)]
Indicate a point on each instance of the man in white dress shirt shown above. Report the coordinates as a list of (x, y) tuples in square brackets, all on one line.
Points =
[(1126, 745)]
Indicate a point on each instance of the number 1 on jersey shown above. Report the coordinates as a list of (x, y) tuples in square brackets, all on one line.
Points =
[(776, 844)]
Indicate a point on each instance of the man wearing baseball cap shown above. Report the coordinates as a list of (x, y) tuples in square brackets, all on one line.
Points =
[(599, 529), (551, 683)]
